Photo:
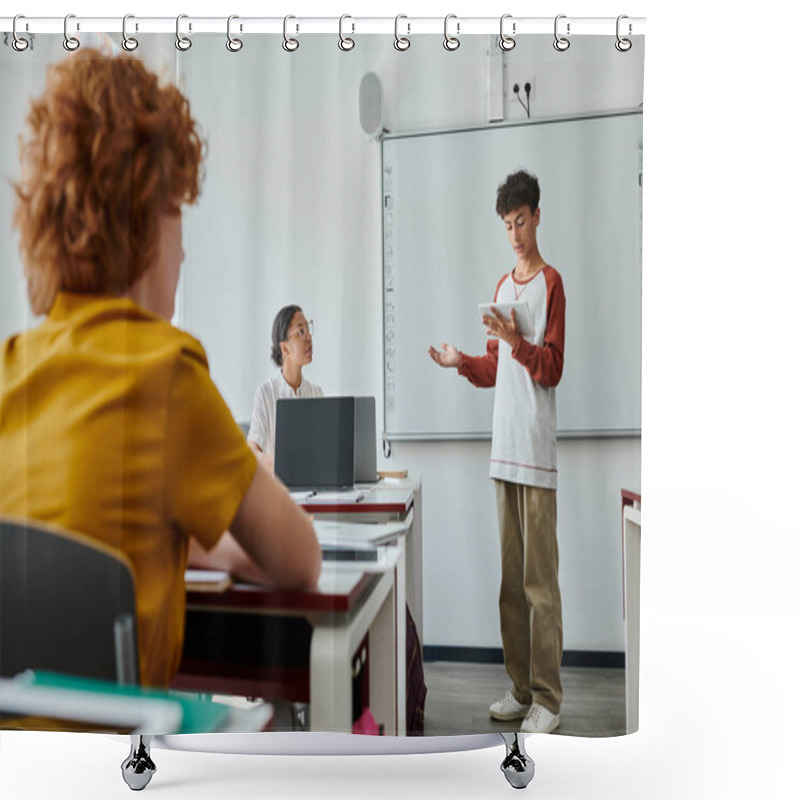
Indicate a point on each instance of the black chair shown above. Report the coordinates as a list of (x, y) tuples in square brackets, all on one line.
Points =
[(68, 605)]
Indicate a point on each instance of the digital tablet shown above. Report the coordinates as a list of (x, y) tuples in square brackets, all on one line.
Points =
[(521, 310)]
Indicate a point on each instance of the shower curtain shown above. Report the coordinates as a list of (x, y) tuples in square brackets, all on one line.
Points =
[(356, 179)]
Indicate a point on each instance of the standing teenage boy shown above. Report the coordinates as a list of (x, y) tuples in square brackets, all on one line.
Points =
[(525, 372)]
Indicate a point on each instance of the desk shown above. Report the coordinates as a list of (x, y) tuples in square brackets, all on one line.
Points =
[(384, 502), (631, 580), (349, 602)]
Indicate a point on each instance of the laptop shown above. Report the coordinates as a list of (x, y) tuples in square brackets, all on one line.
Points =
[(314, 443), (366, 456)]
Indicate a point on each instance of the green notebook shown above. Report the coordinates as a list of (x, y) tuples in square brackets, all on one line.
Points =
[(199, 716)]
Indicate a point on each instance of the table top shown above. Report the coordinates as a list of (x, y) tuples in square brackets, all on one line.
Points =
[(340, 587), (378, 499), (337, 593), (631, 496)]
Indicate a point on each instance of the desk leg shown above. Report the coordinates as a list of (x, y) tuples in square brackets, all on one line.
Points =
[(331, 686), (387, 654), (383, 665), (414, 564), (404, 565), (333, 645), (633, 548)]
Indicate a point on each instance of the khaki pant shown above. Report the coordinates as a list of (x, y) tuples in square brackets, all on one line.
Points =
[(530, 598)]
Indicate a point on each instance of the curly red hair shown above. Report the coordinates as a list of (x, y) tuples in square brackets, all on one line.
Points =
[(110, 151)]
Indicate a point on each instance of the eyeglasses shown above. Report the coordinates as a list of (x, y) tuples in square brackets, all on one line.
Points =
[(302, 331)]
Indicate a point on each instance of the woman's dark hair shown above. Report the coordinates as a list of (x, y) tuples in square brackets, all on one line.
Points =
[(520, 189), (280, 330)]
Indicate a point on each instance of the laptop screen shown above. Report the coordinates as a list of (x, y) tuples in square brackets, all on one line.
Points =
[(365, 442), (314, 442)]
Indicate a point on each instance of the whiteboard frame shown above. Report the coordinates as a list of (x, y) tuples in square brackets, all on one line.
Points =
[(386, 436)]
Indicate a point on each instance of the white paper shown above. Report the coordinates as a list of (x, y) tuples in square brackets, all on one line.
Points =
[(354, 535)]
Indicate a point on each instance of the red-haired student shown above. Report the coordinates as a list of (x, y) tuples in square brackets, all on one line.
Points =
[(110, 424)]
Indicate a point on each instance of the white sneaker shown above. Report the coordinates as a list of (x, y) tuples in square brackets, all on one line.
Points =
[(540, 720), (507, 708)]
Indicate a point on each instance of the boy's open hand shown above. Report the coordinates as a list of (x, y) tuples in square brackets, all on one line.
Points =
[(448, 356), (502, 327)]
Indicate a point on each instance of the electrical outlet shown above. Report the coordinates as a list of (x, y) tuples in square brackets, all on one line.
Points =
[(521, 83), (521, 90)]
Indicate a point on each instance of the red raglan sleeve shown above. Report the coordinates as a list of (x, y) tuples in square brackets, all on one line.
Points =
[(546, 363), (481, 371)]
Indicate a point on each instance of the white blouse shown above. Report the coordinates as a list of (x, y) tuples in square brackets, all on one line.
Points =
[(262, 420)]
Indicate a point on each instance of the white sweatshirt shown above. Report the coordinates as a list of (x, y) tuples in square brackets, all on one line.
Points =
[(524, 419)]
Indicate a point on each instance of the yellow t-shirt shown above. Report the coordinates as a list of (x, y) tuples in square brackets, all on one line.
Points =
[(111, 426)]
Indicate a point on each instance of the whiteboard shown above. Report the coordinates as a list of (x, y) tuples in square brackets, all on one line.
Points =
[(445, 249)]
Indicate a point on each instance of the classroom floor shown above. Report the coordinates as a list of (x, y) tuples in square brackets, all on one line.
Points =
[(459, 696)]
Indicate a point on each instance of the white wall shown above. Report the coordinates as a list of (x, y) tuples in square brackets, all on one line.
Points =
[(291, 206), (22, 78), (291, 213), (19, 82)]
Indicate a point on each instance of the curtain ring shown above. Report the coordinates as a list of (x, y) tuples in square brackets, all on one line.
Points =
[(561, 43), (345, 42), (401, 42), (19, 43), (70, 43), (233, 44), (507, 42), (128, 42), (183, 43), (623, 45), (451, 42), (289, 44)]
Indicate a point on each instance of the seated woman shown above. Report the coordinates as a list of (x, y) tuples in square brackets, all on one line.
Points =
[(110, 424), (292, 349)]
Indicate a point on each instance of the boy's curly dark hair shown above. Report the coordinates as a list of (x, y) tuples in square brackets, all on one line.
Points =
[(519, 189)]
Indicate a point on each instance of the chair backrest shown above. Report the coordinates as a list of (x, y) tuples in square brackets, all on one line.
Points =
[(67, 604)]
